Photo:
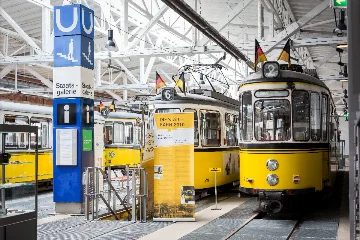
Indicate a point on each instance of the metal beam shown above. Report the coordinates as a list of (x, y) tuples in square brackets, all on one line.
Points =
[(6, 70), (178, 51), (326, 58), (16, 35), (45, 81), (114, 95), (149, 25), (20, 31), (294, 27), (47, 41), (225, 21)]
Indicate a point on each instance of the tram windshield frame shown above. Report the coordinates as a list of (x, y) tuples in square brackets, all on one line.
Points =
[(272, 120)]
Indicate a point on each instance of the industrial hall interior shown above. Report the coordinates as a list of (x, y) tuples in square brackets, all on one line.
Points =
[(179, 119)]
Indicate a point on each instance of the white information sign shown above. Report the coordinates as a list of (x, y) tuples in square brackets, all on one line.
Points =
[(66, 144), (72, 82)]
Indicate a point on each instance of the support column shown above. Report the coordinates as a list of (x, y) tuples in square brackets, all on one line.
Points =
[(125, 92), (353, 9), (194, 29), (260, 21), (271, 22), (124, 23), (73, 105)]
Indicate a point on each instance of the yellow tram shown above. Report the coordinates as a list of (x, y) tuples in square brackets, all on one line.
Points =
[(216, 132), (289, 141), (122, 138), (21, 146)]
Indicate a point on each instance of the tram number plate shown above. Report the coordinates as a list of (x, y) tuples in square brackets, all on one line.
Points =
[(214, 169)]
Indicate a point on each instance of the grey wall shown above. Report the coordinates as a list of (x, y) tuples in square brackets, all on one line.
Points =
[(344, 128)]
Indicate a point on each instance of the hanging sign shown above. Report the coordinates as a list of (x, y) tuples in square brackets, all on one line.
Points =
[(174, 193), (339, 3)]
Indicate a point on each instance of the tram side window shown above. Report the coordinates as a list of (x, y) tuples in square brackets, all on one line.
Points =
[(332, 123), (315, 117), (247, 117), (301, 115), (108, 134), (210, 128), (231, 129), (168, 110), (196, 130), (150, 124), (119, 132), (129, 133), (324, 117), (16, 140), (43, 132)]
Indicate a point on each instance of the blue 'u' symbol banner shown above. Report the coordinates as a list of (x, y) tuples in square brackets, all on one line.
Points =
[(74, 19)]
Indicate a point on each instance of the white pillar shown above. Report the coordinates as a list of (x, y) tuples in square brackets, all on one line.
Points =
[(260, 21)]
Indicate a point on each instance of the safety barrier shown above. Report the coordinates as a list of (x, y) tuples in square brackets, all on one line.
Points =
[(137, 194)]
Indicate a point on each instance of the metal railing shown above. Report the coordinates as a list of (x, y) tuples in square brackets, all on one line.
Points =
[(137, 193)]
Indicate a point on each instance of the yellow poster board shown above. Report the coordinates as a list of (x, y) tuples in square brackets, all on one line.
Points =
[(174, 193)]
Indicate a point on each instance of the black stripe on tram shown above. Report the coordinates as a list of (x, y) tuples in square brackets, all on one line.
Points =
[(216, 149), (279, 146)]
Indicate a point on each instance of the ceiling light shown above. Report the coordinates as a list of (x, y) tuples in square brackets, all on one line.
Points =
[(342, 45), (110, 44)]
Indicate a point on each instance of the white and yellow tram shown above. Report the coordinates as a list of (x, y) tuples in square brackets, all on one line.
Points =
[(289, 141), (216, 132)]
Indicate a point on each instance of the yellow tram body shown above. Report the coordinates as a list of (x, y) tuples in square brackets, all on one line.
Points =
[(122, 137), (21, 145), (289, 140), (215, 146)]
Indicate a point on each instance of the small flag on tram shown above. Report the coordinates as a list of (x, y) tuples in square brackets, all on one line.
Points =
[(159, 82), (259, 54), (112, 106), (102, 106), (285, 54), (181, 83)]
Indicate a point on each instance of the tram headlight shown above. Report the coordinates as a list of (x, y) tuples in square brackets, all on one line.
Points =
[(272, 164), (272, 179), (271, 69)]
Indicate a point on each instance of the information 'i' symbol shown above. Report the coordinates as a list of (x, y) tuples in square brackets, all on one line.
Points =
[(66, 113), (87, 114)]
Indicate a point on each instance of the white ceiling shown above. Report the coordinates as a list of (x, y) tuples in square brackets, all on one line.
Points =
[(175, 31)]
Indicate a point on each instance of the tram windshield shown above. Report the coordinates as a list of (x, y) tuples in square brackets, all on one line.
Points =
[(272, 120)]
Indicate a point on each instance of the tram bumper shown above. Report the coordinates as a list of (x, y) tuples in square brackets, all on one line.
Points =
[(271, 202)]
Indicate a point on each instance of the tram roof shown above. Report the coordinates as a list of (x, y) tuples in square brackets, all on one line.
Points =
[(34, 109), (199, 96), (284, 76), (125, 115)]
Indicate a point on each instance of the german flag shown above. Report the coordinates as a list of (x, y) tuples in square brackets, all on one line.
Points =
[(285, 54), (159, 82), (112, 106), (259, 54), (102, 106), (181, 83)]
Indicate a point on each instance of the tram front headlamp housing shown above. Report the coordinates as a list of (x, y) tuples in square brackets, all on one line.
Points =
[(272, 179), (272, 164), (167, 94), (271, 69)]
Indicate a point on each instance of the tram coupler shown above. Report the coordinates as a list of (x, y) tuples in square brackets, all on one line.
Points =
[(270, 202)]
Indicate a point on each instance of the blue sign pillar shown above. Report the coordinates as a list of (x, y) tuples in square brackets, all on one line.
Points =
[(73, 105)]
